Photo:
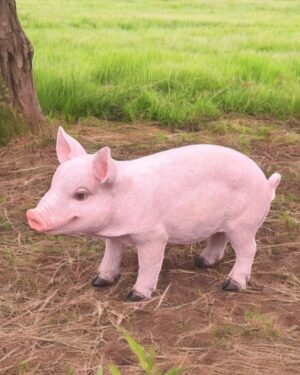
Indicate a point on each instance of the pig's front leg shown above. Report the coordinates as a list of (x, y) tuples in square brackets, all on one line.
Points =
[(109, 268), (150, 255)]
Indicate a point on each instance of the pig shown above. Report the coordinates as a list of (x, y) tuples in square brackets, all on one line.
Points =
[(179, 196)]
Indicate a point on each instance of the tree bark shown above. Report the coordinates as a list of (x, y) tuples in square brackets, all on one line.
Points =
[(17, 91)]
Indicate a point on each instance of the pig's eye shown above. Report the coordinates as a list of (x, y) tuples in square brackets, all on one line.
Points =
[(81, 195)]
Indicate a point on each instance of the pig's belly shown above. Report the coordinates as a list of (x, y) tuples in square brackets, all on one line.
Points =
[(192, 232), (195, 222)]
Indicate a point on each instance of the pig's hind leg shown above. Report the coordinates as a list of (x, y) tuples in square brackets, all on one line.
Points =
[(244, 246), (109, 269), (214, 252)]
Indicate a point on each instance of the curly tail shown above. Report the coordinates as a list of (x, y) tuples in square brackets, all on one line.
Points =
[(273, 182)]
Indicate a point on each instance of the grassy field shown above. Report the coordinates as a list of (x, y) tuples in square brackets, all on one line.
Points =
[(172, 62)]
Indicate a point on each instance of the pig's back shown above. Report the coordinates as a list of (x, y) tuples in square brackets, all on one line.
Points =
[(210, 161)]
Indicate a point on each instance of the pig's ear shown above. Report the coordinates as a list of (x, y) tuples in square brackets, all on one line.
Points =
[(104, 167), (67, 147)]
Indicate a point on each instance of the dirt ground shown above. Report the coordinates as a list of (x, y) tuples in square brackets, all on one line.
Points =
[(52, 321)]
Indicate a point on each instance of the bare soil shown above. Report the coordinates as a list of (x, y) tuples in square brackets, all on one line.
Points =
[(52, 321)]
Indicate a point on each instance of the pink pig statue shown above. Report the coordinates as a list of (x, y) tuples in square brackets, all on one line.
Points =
[(178, 196)]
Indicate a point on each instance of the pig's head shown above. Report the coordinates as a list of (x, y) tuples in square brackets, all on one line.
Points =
[(80, 198)]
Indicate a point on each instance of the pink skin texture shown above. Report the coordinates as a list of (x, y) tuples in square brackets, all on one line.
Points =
[(178, 196)]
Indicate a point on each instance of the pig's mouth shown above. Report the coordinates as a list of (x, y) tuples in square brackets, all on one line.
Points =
[(36, 222), (63, 229)]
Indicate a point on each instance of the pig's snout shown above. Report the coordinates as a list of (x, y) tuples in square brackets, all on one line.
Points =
[(35, 220)]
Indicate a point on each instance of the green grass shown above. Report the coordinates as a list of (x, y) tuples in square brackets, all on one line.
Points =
[(170, 61), (290, 222), (262, 325), (24, 367), (146, 360), (10, 125), (2, 199), (4, 224)]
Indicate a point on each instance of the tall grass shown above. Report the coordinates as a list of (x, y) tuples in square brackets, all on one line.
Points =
[(168, 61)]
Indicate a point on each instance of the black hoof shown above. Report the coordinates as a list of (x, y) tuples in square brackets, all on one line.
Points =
[(134, 296), (200, 262), (99, 282), (231, 286)]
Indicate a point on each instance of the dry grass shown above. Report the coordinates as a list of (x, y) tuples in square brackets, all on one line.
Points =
[(53, 322)]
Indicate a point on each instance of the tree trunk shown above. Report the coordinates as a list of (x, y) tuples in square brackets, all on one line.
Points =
[(17, 91)]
